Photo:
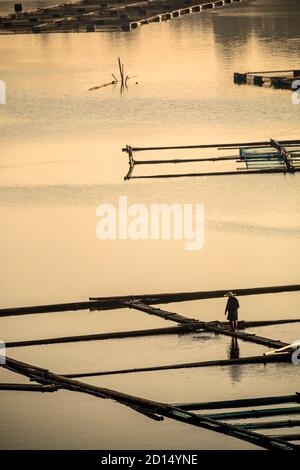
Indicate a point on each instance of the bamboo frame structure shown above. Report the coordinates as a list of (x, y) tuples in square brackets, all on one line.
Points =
[(47, 381), (256, 157), (149, 408)]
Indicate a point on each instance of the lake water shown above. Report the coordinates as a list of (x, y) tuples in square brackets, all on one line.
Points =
[(61, 157)]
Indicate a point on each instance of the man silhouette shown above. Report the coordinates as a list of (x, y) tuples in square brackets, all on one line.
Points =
[(231, 309)]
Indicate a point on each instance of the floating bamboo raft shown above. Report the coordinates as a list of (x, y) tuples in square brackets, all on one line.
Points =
[(253, 158), (284, 79), (93, 15), (48, 382)]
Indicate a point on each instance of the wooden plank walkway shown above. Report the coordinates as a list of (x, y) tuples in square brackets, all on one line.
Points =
[(270, 343), (157, 312)]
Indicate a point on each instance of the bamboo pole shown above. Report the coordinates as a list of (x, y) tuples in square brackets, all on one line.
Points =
[(184, 160), (28, 387), (285, 357), (205, 146), (288, 437), (290, 423), (121, 71), (188, 328), (255, 413), (104, 336), (244, 402), (271, 71), (217, 173), (117, 302)]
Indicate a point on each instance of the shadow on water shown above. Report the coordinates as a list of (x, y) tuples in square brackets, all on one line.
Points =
[(233, 352)]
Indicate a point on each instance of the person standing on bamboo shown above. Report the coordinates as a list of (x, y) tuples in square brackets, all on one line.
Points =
[(232, 307)]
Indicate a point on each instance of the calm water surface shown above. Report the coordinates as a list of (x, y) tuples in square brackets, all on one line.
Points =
[(61, 157)]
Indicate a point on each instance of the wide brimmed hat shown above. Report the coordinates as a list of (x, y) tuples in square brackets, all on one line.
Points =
[(229, 294)]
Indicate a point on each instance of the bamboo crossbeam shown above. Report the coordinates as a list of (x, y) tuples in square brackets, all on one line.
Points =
[(259, 323), (261, 147), (270, 71), (215, 173), (240, 403), (177, 330), (205, 146), (285, 357), (184, 160), (111, 303), (290, 423), (149, 406), (255, 413)]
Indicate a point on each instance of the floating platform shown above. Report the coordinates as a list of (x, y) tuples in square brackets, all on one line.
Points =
[(284, 79), (253, 158), (94, 15)]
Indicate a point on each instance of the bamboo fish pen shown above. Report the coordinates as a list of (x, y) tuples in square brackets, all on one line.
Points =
[(265, 157)]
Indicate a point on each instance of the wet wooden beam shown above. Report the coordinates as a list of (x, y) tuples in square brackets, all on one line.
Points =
[(156, 408), (285, 357), (116, 302), (245, 402)]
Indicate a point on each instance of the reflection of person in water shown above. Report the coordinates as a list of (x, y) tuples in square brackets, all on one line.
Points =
[(232, 307), (234, 350)]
